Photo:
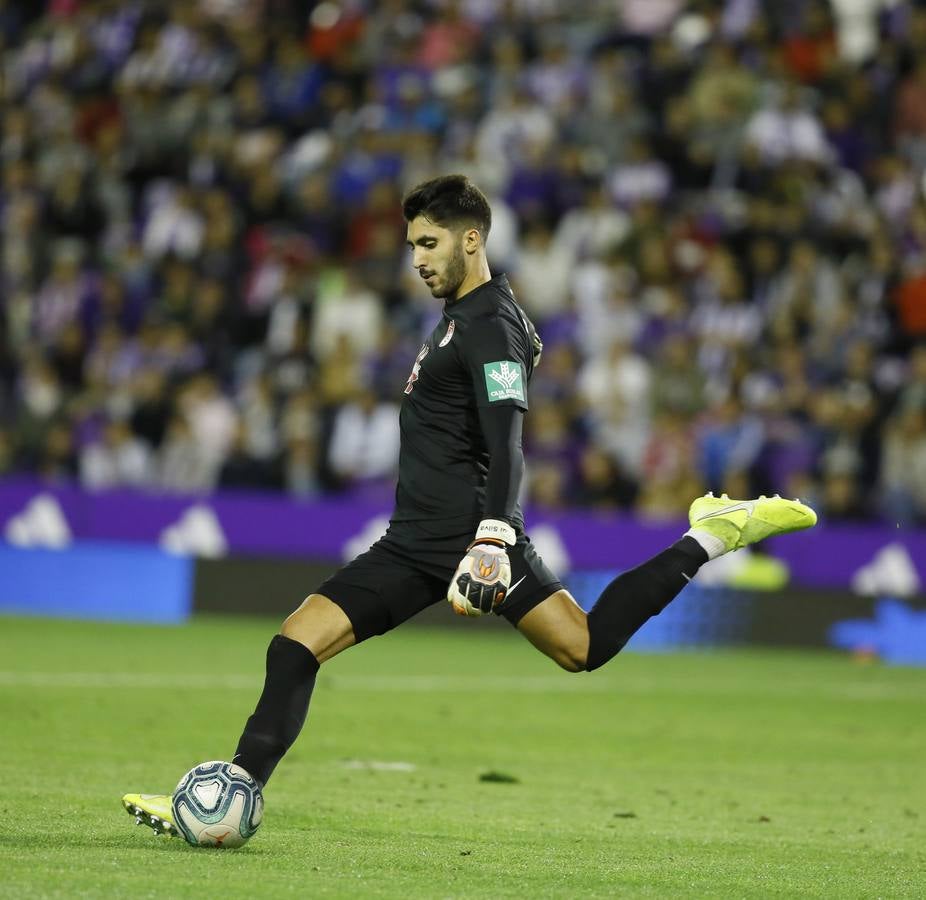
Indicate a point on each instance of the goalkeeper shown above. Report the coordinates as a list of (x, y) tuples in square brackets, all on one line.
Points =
[(457, 532)]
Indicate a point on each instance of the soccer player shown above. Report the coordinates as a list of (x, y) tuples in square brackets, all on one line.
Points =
[(457, 531)]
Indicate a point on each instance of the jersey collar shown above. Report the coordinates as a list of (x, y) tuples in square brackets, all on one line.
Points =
[(499, 282)]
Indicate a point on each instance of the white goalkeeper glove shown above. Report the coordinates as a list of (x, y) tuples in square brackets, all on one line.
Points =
[(481, 581)]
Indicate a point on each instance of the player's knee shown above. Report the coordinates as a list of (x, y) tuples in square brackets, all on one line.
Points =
[(571, 657), (291, 626), (321, 626), (569, 664), (301, 625), (294, 621)]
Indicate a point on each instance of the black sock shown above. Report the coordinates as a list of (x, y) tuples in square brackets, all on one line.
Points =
[(281, 710), (628, 601)]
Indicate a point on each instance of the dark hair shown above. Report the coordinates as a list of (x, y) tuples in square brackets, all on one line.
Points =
[(449, 201)]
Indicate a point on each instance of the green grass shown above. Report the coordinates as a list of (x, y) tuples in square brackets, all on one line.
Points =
[(703, 775)]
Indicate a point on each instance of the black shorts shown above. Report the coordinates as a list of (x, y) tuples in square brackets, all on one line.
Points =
[(409, 569)]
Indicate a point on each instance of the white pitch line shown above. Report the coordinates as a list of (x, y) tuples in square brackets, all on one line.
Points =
[(387, 683), (378, 765), (449, 684), (125, 680), (439, 684)]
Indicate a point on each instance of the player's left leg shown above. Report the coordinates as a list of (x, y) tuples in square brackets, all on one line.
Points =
[(547, 615), (559, 628), (578, 642)]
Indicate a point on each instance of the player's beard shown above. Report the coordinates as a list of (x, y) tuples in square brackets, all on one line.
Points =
[(453, 276)]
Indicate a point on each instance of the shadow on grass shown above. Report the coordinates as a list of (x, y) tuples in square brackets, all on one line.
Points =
[(25, 841)]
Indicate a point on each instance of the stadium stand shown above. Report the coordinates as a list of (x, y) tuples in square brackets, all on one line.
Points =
[(714, 211)]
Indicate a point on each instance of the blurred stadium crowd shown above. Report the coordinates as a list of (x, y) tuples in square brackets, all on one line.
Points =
[(714, 211)]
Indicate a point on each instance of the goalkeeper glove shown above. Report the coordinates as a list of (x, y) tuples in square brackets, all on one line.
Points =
[(481, 581)]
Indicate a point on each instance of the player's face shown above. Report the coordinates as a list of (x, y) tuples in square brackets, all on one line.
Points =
[(437, 254)]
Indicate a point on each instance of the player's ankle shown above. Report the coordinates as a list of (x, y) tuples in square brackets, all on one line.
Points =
[(716, 537)]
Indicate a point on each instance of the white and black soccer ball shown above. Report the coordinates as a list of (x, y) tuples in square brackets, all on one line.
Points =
[(217, 804)]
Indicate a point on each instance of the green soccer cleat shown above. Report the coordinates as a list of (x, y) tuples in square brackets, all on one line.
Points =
[(152, 810), (739, 523)]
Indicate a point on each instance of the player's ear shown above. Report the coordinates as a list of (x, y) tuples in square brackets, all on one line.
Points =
[(472, 240)]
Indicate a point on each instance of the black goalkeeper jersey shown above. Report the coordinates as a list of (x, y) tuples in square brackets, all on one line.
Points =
[(480, 354)]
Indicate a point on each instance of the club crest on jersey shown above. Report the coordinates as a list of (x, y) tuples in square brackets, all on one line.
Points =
[(446, 338), (504, 381)]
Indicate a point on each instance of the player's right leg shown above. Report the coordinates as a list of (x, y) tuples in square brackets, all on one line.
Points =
[(317, 631), (313, 634), (371, 595), (152, 810), (321, 626)]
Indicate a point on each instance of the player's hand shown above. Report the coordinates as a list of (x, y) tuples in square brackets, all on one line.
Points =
[(481, 580)]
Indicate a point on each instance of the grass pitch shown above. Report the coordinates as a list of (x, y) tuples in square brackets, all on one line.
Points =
[(702, 775)]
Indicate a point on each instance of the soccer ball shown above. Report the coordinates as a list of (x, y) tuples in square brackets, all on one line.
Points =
[(217, 804)]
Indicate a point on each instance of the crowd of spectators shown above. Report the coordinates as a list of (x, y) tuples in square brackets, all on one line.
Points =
[(715, 212)]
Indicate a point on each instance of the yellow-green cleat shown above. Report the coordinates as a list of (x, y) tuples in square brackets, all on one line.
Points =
[(152, 810), (739, 523)]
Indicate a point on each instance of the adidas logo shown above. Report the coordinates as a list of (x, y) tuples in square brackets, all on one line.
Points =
[(890, 574), (371, 532), (197, 532), (40, 524), (550, 547)]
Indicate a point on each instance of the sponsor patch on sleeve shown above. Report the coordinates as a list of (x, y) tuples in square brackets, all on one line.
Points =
[(504, 380)]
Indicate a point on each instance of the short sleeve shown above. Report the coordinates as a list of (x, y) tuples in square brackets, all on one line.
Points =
[(498, 359)]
